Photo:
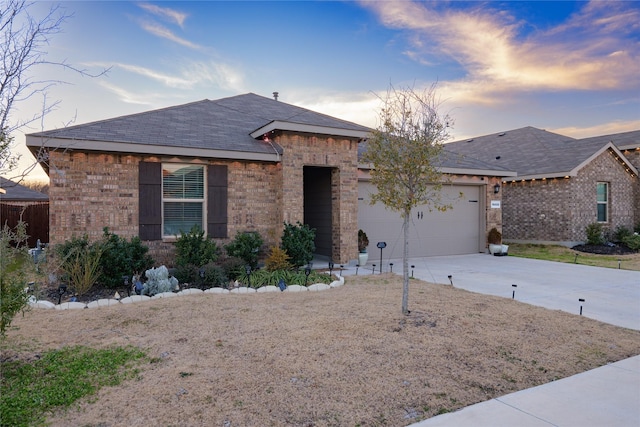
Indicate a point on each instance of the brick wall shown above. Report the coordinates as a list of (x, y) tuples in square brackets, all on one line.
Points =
[(634, 158), (559, 209), (339, 154), (90, 191)]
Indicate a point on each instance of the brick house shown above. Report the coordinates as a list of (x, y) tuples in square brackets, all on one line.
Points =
[(562, 184), (244, 163)]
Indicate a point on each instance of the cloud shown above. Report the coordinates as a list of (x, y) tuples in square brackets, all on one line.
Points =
[(616, 126), (164, 12), (588, 52), (163, 32)]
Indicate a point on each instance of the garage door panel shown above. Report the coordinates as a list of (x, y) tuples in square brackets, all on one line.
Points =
[(431, 233)]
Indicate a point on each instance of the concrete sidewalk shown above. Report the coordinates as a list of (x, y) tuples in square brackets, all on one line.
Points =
[(606, 396)]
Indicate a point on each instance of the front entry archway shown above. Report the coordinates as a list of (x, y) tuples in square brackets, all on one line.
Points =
[(318, 207)]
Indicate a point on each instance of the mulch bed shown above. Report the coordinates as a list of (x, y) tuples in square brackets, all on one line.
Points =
[(608, 249)]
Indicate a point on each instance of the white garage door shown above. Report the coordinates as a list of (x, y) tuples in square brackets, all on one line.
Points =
[(453, 232)]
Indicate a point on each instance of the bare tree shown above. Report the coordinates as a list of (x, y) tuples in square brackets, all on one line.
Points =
[(403, 152), (23, 42)]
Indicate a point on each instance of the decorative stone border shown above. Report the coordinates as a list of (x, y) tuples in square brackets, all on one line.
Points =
[(316, 287)]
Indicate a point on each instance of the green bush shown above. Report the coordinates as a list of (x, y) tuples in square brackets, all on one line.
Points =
[(194, 248), (621, 233), (594, 234), (246, 246), (211, 276), (232, 267), (632, 242), (298, 243), (186, 273), (122, 258), (14, 266)]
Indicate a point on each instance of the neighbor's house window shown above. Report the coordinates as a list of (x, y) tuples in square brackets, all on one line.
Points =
[(175, 197), (183, 198), (603, 201)]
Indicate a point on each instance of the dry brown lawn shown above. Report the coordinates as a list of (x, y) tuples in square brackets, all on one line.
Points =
[(343, 357)]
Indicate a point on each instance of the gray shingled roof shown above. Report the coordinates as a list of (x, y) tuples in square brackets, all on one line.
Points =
[(18, 192), (223, 124), (530, 151), (450, 161)]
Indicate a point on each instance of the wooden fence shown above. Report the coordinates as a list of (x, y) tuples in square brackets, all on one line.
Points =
[(35, 215)]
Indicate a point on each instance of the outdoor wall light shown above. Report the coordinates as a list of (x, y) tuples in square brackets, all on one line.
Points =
[(62, 289), (496, 189)]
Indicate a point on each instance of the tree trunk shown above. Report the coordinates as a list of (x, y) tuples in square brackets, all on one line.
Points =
[(405, 264)]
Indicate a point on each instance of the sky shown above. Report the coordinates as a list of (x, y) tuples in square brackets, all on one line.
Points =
[(570, 67)]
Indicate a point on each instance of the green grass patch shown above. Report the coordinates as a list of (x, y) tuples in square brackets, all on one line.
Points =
[(559, 253), (29, 390)]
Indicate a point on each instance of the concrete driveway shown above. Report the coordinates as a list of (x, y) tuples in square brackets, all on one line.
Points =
[(611, 295)]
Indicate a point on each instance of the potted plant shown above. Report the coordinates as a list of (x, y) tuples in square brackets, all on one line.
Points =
[(363, 242), (495, 243)]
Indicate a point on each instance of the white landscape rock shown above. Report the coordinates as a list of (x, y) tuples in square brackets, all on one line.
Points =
[(190, 291), (296, 288), (268, 289), (164, 295), (43, 304), (319, 287), (71, 306), (135, 298), (216, 291), (104, 302), (243, 290)]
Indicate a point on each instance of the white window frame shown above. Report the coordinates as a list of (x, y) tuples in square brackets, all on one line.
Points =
[(604, 202), (202, 201)]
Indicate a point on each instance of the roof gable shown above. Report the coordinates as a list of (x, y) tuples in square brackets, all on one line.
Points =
[(536, 153)]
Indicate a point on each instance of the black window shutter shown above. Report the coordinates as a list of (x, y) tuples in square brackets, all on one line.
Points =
[(150, 200), (217, 201)]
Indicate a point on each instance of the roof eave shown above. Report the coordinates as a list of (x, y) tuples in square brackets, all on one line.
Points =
[(36, 142), (458, 171), (300, 127)]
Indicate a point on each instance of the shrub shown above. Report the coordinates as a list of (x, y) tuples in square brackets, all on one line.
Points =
[(298, 243), (211, 276), (621, 233), (494, 237), (246, 246), (277, 260), (594, 234), (186, 273), (232, 267), (632, 242), (194, 248), (80, 263), (363, 241), (158, 281), (261, 278), (122, 258), (14, 265)]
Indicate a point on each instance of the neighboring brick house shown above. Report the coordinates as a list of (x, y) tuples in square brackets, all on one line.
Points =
[(244, 163), (562, 184)]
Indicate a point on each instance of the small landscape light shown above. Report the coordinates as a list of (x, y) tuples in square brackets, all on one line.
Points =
[(391, 266), (307, 271), (125, 282), (513, 295), (247, 269), (581, 300), (450, 279), (374, 269), (62, 289), (330, 267), (412, 267), (619, 261), (357, 266), (575, 260)]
